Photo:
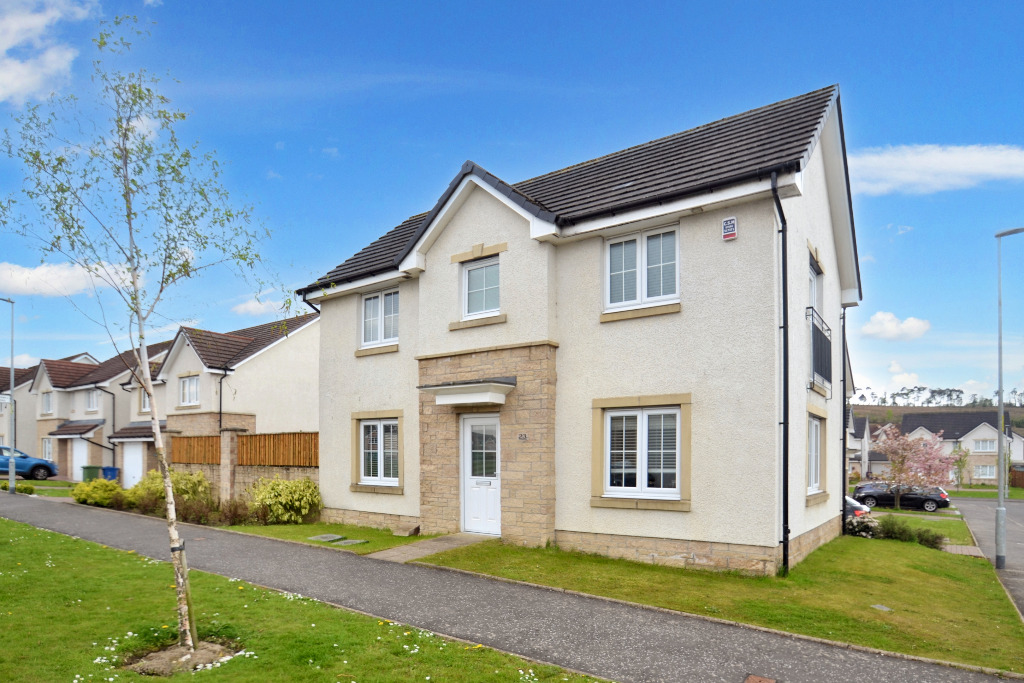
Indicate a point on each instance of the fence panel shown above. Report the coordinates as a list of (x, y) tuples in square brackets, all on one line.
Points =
[(294, 449), (1017, 478), (195, 450)]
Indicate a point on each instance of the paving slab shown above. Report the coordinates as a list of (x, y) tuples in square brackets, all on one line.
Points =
[(428, 546), (601, 637)]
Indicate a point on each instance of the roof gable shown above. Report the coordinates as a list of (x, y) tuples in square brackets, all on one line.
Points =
[(21, 376), (779, 137)]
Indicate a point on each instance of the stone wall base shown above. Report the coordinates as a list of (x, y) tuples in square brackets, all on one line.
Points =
[(377, 520), (247, 475), (803, 545), (749, 559)]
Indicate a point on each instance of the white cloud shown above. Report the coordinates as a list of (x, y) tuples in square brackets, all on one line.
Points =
[(895, 368), (982, 389), (32, 62), (254, 307), (279, 145), (23, 360), (48, 279), (924, 169), (331, 152), (885, 325), (271, 175), (152, 3), (906, 379)]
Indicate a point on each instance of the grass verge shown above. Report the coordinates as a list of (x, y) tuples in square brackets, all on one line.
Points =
[(982, 491), (376, 539), (943, 606), (955, 530), (103, 603), (53, 493)]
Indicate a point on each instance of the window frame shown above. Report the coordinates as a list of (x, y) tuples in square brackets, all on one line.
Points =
[(47, 403), (381, 295), (183, 382), (143, 401), (642, 300), (380, 479), (92, 400), (47, 448), (993, 469), (992, 449), (815, 442), (641, 490), (477, 264)]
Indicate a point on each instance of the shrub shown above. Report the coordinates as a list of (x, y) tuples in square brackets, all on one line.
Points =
[(98, 492), (861, 526), (234, 511), (283, 501), (854, 479), (27, 489), (892, 527), (148, 494), (194, 510), (930, 538)]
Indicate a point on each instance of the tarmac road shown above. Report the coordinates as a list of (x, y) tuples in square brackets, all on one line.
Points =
[(980, 515)]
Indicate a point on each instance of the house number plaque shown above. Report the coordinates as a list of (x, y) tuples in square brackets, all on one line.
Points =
[(522, 437)]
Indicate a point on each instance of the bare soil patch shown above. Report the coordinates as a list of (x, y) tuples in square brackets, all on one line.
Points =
[(178, 658)]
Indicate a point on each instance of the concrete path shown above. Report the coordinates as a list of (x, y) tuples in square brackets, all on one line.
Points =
[(609, 639), (980, 515), (429, 546)]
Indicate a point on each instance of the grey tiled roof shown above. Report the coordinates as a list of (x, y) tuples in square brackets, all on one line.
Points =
[(778, 137), (228, 349), (952, 424)]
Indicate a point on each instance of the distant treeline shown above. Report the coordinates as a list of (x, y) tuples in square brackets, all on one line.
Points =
[(926, 396)]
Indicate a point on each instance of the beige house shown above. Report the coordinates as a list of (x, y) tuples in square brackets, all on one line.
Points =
[(975, 431), (24, 407), (568, 359)]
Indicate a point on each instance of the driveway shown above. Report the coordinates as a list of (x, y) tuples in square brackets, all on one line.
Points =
[(604, 638), (980, 515)]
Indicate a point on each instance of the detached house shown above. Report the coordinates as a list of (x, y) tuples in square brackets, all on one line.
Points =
[(595, 357), (975, 431), (23, 437)]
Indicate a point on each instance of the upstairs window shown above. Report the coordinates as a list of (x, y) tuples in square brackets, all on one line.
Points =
[(47, 402), (143, 401), (984, 445), (189, 391), (641, 269), (380, 318), (92, 400), (481, 288)]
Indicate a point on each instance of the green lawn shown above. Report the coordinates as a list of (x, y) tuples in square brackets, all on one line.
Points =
[(54, 483), (954, 529), (943, 606), (53, 492), (984, 491), (376, 539), (101, 603)]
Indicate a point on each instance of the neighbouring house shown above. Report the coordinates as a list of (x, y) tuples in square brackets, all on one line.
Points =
[(976, 431), (593, 357), (858, 447), (23, 405), (78, 405), (257, 380)]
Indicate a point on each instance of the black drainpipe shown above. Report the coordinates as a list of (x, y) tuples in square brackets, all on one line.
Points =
[(113, 422), (310, 305), (785, 378), (846, 414)]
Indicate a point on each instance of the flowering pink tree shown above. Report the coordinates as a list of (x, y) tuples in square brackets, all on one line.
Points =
[(914, 461)]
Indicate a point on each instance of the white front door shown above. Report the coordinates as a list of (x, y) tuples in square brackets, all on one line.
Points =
[(481, 468), (134, 459), (79, 458)]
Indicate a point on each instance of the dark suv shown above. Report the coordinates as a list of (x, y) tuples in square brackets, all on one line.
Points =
[(928, 498)]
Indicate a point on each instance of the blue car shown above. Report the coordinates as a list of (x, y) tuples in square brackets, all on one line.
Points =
[(26, 466)]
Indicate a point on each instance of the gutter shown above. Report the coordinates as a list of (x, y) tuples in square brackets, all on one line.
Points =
[(308, 303), (785, 377)]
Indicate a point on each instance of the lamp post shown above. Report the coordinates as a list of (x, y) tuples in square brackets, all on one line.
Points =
[(1001, 467), (10, 448)]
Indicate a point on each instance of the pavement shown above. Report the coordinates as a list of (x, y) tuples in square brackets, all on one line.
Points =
[(980, 515), (600, 637)]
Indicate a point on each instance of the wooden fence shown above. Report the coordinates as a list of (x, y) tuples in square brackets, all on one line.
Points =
[(1017, 478), (195, 450), (297, 449)]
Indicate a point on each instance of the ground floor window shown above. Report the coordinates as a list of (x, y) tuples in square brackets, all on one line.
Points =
[(984, 471), (379, 452), (47, 449), (642, 452)]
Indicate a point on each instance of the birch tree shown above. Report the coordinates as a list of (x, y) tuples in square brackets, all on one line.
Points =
[(109, 186)]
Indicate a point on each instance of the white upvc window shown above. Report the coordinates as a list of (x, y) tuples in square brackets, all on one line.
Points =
[(984, 445), (143, 401), (92, 400), (642, 453), (189, 391), (380, 318), (379, 452), (984, 471), (641, 269), (47, 402), (481, 288), (47, 449), (813, 454)]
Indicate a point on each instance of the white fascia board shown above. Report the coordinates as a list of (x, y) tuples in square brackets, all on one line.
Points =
[(414, 262), (366, 284), (86, 435), (288, 335), (134, 439), (471, 394), (789, 185), (180, 342)]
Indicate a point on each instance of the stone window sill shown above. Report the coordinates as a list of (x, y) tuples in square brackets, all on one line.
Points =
[(188, 407), (816, 498), (377, 350), (363, 488), (478, 322), (639, 504), (634, 313)]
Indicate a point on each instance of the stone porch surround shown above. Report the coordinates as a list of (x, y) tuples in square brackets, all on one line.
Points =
[(527, 466)]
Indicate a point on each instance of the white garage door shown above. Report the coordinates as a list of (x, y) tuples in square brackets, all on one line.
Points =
[(134, 463)]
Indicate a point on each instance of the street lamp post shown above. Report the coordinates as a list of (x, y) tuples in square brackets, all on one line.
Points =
[(10, 435), (1001, 467)]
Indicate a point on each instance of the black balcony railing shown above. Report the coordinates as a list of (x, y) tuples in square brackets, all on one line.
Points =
[(821, 350)]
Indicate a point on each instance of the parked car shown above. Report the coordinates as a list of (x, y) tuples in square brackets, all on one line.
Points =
[(929, 498), (855, 509), (26, 466)]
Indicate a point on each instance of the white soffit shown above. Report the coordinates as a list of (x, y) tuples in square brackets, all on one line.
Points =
[(477, 393)]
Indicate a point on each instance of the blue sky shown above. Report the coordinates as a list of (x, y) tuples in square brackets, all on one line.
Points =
[(338, 120)]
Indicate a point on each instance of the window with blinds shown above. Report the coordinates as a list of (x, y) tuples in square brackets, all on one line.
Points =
[(380, 318), (379, 452), (641, 269), (642, 453)]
